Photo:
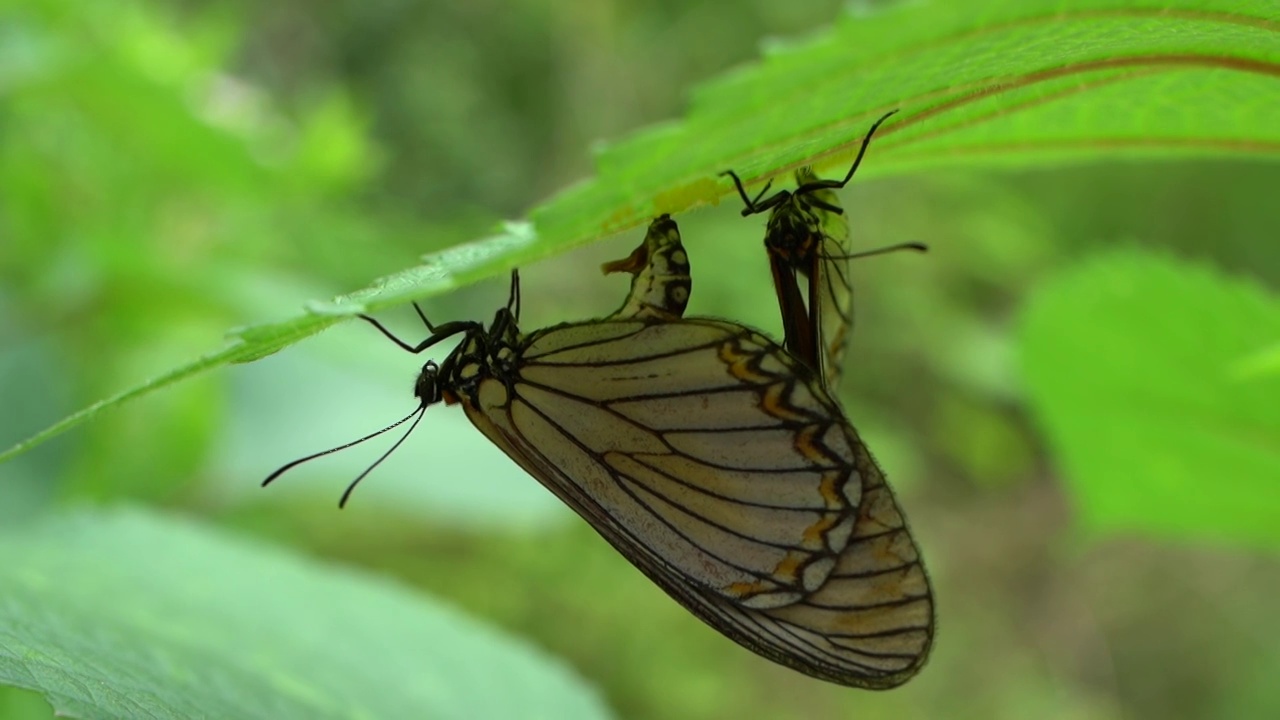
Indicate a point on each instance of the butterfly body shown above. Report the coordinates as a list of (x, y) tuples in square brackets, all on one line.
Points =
[(807, 241)]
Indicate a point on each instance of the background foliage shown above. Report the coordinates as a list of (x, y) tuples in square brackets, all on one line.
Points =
[(1075, 392)]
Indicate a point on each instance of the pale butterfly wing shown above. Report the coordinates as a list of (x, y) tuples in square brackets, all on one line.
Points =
[(871, 624), (682, 432), (830, 288), (690, 513)]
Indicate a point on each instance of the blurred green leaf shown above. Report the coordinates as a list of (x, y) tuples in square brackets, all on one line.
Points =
[(33, 385), (1130, 362), (1264, 362), (125, 614), (1016, 84), (19, 704)]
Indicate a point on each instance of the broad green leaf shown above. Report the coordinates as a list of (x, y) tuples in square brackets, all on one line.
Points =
[(1132, 366), (1016, 83), (126, 614)]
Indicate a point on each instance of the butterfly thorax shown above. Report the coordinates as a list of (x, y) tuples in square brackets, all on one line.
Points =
[(483, 354), (794, 231)]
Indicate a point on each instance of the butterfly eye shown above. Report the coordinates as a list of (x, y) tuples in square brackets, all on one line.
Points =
[(427, 387)]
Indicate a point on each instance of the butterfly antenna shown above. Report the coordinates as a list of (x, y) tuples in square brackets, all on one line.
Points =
[(347, 493), (513, 301), (430, 328), (370, 436), (917, 246), (862, 149)]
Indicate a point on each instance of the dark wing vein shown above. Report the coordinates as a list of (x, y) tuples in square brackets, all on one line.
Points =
[(643, 396)]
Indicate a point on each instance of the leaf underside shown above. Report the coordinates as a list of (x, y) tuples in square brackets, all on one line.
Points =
[(126, 614), (1014, 84)]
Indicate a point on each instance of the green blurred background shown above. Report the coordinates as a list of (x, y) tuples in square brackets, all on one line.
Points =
[(170, 170)]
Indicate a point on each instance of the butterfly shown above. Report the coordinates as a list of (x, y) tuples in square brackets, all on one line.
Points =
[(807, 236), (709, 457)]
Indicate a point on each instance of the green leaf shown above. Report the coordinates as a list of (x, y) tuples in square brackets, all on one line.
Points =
[(1011, 84), (1132, 365), (1265, 362), (1017, 83), (126, 614)]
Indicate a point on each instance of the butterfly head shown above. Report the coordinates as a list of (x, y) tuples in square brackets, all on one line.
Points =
[(427, 387)]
